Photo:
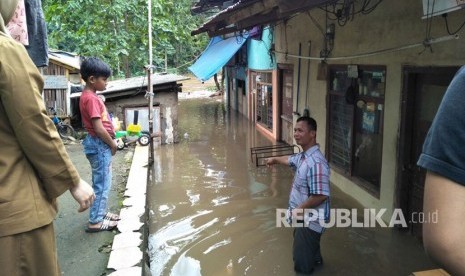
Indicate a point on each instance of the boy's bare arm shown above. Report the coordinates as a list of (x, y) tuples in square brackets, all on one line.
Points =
[(103, 134)]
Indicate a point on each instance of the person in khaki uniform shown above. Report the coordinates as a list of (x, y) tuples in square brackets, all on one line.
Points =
[(34, 166)]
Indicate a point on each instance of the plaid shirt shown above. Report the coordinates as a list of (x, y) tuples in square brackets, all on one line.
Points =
[(311, 178)]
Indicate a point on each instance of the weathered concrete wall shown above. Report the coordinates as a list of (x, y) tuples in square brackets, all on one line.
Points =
[(258, 52), (168, 103), (392, 24)]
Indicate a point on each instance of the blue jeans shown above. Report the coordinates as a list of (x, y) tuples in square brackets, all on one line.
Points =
[(99, 155)]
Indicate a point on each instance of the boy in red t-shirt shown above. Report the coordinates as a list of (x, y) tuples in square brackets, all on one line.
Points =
[(99, 145)]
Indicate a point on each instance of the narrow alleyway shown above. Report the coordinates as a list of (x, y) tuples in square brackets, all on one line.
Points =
[(81, 253), (213, 212)]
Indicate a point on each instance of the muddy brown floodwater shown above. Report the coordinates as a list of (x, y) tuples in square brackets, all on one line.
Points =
[(213, 212)]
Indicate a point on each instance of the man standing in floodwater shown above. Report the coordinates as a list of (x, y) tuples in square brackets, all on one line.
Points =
[(310, 190)]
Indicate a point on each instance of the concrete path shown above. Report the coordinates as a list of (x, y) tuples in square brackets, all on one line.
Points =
[(81, 253)]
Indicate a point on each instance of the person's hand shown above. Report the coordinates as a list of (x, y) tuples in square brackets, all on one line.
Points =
[(114, 148), (297, 214), (270, 161), (83, 194)]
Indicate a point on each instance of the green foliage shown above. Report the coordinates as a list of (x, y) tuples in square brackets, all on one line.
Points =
[(117, 32)]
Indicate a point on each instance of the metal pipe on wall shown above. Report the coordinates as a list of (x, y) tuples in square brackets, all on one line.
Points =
[(296, 112), (306, 109), (149, 83)]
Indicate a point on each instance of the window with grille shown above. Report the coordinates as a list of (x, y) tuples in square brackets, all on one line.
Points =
[(356, 116), (264, 100)]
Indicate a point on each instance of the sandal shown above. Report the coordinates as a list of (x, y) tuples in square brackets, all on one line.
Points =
[(111, 216), (105, 226)]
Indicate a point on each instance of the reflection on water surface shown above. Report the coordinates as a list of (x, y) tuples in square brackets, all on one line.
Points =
[(213, 211)]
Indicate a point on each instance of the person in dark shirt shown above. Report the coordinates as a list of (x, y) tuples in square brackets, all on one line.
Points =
[(443, 157)]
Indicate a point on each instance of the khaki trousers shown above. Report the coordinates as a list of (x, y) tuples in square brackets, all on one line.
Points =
[(32, 253)]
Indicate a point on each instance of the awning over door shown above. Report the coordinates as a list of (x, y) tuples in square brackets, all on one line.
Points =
[(218, 52)]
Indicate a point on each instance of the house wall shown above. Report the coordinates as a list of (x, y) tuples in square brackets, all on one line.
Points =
[(75, 78), (392, 24), (237, 99), (273, 133), (258, 57), (168, 103), (55, 97), (260, 60)]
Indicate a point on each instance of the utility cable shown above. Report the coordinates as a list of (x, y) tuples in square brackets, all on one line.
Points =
[(447, 25), (429, 24), (427, 42)]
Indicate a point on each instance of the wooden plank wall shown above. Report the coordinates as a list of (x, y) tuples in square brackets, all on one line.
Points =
[(56, 98)]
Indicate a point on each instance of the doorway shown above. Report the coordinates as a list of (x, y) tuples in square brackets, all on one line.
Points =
[(286, 100), (422, 92)]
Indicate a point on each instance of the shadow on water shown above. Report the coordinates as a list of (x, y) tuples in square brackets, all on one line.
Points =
[(213, 212)]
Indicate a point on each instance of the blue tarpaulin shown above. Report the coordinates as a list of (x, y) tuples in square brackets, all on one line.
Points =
[(218, 52)]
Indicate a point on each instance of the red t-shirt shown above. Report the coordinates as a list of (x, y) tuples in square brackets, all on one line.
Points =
[(91, 106)]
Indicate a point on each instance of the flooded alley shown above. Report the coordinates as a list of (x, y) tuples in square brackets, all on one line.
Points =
[(213, 212)]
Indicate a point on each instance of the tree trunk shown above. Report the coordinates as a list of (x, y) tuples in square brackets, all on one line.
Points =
[(222, 81), (218, 88)]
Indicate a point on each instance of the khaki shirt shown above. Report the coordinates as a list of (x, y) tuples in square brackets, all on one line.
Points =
[(34, 165)]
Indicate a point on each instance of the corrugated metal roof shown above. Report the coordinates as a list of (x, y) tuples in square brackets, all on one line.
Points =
[(68, 59), (236, 6), (246, 14), (229, 9), (137, 82)]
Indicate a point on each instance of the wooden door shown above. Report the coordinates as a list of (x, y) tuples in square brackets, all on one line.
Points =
[(423, 91)]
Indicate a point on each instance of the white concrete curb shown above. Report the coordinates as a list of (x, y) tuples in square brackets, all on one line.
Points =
[(126, 255)]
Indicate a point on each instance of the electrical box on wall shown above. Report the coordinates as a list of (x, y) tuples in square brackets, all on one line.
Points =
[(438, 7)]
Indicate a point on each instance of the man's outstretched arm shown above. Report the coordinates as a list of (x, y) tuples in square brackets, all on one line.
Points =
[(283, 160)]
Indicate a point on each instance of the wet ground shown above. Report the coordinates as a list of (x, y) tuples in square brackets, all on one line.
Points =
[(81, 253), (213, 212)]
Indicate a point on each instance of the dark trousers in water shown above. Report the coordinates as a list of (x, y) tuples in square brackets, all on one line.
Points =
[(306, 249)]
